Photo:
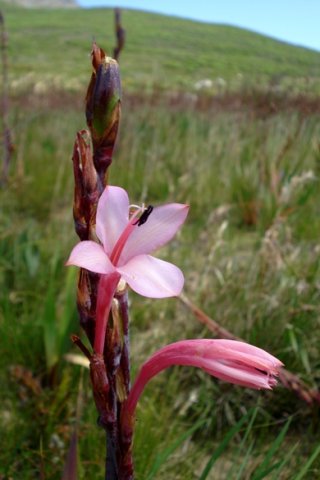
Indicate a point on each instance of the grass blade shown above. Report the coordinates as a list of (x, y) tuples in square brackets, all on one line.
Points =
[(49, 325), (308, 464), (243, 451), (67, 315), (216, 454), (245, 461), (162, 457), (264, 467), (284, 462)]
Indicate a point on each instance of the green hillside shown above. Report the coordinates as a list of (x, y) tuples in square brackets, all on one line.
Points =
[(51, 47)]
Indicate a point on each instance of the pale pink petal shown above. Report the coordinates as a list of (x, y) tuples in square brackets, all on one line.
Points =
[(237, 374), (152, 277), (90, 255), (112, 216), (160, 227), (232, 350), (248, 349)]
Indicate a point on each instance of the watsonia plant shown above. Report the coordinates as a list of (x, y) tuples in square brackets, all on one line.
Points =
[(116, 239)]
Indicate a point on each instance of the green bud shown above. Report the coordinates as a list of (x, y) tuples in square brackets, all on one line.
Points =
[(103, 107)]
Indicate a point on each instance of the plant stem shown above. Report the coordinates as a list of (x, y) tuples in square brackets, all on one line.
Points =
[(110, 377), (106, 290), (111, 472), (125, 461), (109, 363), (289, 380), (122, 298)]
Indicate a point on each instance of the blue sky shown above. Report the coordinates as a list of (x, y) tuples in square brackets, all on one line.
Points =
[(294, 21)]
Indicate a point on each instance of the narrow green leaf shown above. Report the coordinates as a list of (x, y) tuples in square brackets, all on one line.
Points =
[(162, 457), (216, 454), (50, 328), (276, 475), (293, 340), (308, 464), (245, 461), (32, 258), (243, 452), (264, 467), (305, 360), (268, 470), (249, 428), (68, 311)]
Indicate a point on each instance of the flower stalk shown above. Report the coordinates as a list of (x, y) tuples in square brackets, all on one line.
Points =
[(92, 156), (116, 242), (127, 238)]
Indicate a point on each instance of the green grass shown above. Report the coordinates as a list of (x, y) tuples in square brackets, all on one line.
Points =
[(50, 48), (250, 254)]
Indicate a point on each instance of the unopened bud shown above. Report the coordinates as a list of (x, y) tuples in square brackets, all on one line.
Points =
[(86, 193), (103, 108)]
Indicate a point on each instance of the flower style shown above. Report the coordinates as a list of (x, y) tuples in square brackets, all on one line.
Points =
[(230, 360), (126, 241)]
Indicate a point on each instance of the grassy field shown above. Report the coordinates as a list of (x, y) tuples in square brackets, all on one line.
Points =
[(249, 250), (50, 50)]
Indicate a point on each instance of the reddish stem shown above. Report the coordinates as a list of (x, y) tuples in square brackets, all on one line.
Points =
[(106, 290)]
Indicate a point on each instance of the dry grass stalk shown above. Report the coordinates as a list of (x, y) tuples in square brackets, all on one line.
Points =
[(120, 34), (6, 133), (288, 379)]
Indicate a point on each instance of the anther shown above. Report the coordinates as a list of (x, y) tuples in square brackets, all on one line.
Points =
[(144, 217)]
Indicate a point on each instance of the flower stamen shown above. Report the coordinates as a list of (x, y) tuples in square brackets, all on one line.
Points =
[(119, 246), (144, 217)]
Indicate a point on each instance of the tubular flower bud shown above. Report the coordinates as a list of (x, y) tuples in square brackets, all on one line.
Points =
[(103, 108), (229, 360)]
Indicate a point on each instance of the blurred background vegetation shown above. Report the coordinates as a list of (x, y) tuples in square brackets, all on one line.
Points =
[(218, 117)]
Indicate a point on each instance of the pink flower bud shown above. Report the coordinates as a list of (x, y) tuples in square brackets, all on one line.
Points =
[(229, 360)]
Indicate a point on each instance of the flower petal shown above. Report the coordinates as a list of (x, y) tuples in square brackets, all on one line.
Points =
[(239, 375), (90, 255), (112, 216), (152, 277), (160, 227), (236, 351)]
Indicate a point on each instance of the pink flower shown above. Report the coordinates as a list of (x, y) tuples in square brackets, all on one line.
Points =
[(230, 360), (126, 242)]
